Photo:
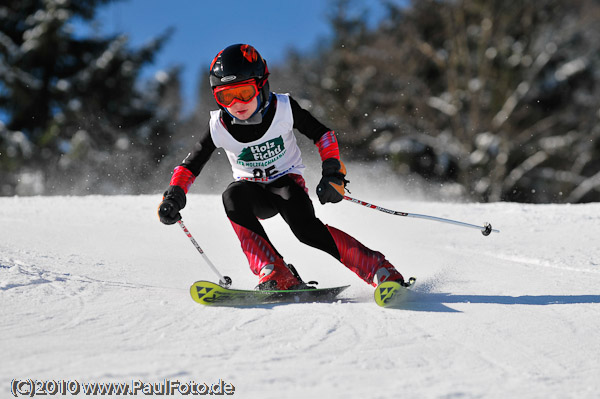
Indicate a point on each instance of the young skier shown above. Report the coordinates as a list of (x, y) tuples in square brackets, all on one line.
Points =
[(255, 128)]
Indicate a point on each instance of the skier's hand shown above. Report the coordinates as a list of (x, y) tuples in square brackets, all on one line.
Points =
[(332, 184), (173, 201)]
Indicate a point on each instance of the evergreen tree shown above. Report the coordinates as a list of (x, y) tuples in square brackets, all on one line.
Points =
[(78, 119), (499, 97)]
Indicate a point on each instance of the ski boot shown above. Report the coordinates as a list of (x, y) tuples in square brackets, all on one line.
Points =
[(387, 272), (277, 276), (281, 276)]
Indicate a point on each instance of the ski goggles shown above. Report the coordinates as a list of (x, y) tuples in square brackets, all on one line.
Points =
[(243, 92)]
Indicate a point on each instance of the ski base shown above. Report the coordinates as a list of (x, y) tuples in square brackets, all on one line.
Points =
[(392, 293), (209, 293)]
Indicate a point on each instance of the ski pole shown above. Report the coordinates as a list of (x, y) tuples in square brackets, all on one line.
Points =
[(224, 281), (486, 229)]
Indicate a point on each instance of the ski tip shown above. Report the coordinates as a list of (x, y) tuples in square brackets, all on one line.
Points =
[(390, 293), (411, 281)]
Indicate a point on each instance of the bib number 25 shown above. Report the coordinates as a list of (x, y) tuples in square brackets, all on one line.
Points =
[(264, 173)]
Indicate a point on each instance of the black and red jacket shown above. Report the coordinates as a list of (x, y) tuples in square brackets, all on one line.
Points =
[(324, 138)]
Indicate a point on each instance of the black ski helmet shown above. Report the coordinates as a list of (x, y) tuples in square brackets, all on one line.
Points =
[(237, 63)]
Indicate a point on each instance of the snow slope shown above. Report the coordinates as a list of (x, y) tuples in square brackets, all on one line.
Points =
[(95, 289)]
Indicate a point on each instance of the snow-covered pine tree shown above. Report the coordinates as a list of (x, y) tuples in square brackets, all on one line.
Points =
[(78, 117)]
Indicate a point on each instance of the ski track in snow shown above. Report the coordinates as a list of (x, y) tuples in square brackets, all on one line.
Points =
[(95, 289)]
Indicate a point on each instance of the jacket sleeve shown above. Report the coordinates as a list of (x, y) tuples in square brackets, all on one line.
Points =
[(306, 123), (323, 137), (185, 174)]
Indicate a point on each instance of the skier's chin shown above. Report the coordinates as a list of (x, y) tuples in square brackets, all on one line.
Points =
[(242, 115)]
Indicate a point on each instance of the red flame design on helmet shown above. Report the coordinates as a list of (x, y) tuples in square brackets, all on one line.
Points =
[(249, 52)]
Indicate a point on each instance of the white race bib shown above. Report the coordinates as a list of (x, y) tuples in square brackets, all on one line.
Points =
[(275, 154)]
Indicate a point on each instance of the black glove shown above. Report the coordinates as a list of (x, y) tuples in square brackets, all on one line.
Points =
[(332, 184), (173, 201)]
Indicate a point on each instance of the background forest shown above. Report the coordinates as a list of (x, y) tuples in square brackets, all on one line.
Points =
[(498, 99)]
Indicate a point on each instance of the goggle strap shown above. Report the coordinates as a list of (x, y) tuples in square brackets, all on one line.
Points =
[(263, 81)]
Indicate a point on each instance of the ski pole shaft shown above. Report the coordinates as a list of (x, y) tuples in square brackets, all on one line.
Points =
[(486, 229), (224, 281)]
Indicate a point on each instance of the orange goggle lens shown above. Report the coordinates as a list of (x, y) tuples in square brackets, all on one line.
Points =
[(243, 92)]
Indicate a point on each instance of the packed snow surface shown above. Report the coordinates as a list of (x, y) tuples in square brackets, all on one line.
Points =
[(95, 289)]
